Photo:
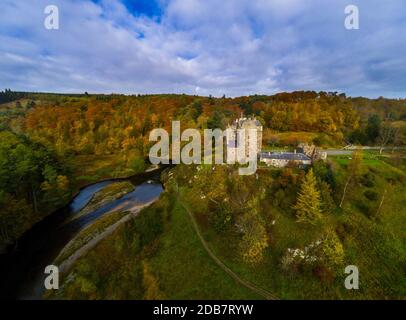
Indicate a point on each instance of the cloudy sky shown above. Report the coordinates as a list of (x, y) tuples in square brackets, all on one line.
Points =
[(232, 47)]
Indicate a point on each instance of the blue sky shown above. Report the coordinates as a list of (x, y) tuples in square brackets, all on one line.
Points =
[(150, 8), (232, 47)]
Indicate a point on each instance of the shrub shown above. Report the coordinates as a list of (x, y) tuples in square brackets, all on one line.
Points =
[(255, 239), (137, 164), (365, 209), (148, 225), (332, 251), (368, 180), (221, 219), (371, 195)]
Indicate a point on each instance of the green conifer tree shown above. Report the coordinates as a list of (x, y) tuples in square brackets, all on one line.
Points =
[(308, 205)]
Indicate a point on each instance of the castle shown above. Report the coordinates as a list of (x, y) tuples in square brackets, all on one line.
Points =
[(303, 156), (244, 125)]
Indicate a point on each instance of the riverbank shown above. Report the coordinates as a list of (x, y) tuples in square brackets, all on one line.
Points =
[(108, 175), (83, 171), (94, 239), (111, 192), (22, 265)]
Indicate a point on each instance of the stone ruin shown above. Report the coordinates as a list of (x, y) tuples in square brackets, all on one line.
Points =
[(312, 151)]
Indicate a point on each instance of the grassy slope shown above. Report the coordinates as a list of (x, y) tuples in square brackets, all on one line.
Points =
[(376, 244), (376, 241), (186, 270), (183, 268)]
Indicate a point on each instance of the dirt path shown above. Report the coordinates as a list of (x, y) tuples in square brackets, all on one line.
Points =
[(262, 292)]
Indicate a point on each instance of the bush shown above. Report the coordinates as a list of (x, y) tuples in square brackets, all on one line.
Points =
[(148, 225), (221, 220), (371, 195), (365, 209), (368, 180), (332, 251), (137, 164)]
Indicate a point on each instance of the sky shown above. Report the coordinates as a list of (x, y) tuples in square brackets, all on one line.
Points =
[(204, 47)]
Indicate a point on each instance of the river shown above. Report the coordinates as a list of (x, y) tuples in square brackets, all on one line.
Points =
[(22, 268)]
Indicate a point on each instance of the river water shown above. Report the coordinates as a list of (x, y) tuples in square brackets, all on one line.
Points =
[(22, 269)]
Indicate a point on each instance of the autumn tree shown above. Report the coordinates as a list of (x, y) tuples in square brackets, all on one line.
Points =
[(255, 239), (308, 205), (331, 250)]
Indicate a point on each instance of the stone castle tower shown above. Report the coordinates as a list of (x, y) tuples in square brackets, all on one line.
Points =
[(244, 124)]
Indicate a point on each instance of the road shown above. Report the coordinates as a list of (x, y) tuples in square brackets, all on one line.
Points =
[(350, 149)]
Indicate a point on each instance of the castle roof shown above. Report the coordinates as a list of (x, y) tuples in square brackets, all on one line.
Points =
[(246, 123), (284, 156)]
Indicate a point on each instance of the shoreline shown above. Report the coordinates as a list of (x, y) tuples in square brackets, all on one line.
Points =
[(12, 246), (65, 265)]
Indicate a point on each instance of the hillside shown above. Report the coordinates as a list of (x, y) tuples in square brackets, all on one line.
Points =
[(252, 228), (51, 145)]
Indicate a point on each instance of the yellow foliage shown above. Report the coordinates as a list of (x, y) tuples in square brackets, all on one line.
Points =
[(308, 205)]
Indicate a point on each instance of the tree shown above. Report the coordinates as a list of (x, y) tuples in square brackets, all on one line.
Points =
[(255, 239), (399, 137), (373, 127), (215, 121), (353, 171), (386, 134), (197, 109), (327, 201), (308, 205), (136, 163), (331, 250)]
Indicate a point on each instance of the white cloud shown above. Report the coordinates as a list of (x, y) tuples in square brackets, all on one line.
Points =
[(232, 47)]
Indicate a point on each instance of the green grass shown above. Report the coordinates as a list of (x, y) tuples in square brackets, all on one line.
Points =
[(176, 258), (286, 233), (374, 243), (185, 269)]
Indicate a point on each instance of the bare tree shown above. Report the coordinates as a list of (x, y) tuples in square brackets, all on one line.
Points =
[(353, 171), (399, 137), (381, 202), (386, 134)]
